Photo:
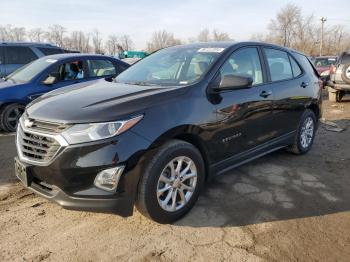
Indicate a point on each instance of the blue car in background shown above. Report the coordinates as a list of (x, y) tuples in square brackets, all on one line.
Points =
[(49, 73), (14, 55)]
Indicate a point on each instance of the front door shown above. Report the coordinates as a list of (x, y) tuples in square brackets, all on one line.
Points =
[(65, 73), (244, 115)]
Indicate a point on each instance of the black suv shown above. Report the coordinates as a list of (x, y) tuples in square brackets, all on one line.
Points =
[(339, 78), (163, 127)]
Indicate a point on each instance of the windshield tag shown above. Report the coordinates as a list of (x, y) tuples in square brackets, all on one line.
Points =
[(211, 50), (183, 82), (51, 60)]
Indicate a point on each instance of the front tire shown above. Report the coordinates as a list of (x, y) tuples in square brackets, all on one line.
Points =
[(171, 182), (9, 117), (305, 134)]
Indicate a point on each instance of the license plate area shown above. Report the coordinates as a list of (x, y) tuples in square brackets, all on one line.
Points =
[(22, 172)]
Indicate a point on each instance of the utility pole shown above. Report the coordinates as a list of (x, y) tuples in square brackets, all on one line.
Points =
[(323, 20)]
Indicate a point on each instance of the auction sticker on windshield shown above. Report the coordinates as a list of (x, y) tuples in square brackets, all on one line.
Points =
[(211, 50), (51, 60)]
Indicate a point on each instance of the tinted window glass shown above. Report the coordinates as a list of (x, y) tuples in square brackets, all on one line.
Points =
[(2, 57), (19, 55), (279, 65), (50, 51), (244, 62), (295, 67), (68, 71), (345, 59), (101, 67), (324, 61)]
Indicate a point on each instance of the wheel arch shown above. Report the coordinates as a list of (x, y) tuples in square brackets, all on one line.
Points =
[(189, 134), (316, 109)]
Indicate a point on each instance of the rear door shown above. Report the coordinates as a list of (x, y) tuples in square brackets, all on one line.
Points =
[(244, 115), (2, 61), (290, 84), (17, 56)]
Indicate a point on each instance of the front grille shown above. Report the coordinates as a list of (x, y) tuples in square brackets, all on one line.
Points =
[(43, 126), (35, 147)]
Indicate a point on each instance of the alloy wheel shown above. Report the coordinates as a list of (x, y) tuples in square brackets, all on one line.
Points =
[(176, 183), (307, 132)]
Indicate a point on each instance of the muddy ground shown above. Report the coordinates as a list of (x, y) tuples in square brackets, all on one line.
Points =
[(278, 208)]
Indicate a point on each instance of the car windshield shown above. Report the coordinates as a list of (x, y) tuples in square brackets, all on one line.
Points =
[(171, 67), (28, 72), (325, 61)]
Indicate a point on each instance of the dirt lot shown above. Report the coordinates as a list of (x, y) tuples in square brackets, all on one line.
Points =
[(278, 208)]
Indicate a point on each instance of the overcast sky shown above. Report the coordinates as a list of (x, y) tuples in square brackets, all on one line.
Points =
[(185, 19)]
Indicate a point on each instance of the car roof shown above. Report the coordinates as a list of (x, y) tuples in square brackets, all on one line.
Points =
[(229, 44), (64, 56), (19, 43)]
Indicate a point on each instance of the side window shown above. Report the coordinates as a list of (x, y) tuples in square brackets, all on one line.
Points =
[(68, 71), (295, 67), (50, 51), (244, 62), (279, 64), (101, 67), (19, 55)]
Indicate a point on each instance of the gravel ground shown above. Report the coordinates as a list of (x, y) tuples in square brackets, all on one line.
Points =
[(278, 208)]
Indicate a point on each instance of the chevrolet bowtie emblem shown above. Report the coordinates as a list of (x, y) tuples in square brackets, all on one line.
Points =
[(28, 123)]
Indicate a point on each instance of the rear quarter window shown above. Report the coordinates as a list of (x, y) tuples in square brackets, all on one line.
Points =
[(305, 64), (50, 51)]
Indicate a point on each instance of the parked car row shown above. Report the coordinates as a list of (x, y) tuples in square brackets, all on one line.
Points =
[(152, 136)]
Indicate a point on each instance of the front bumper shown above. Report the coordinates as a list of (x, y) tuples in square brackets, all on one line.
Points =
[(69, 179)]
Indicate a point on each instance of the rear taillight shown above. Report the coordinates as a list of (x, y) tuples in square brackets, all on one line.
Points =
[(333, 69)]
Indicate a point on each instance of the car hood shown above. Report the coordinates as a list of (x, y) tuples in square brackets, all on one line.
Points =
[(99, 101), (6, 84), (7, 89)]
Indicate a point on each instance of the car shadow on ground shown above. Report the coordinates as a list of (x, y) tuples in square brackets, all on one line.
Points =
[(276, 187)]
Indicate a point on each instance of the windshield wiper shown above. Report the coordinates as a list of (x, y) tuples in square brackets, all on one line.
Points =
[(140, 83)]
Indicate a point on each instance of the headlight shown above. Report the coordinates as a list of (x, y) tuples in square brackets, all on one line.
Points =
[(82, 133)]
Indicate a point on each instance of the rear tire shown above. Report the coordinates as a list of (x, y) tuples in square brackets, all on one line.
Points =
[(305, 134), (9, 117), (166, 190)]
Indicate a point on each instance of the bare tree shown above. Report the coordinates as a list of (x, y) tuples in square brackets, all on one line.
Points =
[(36, 35), (112, 45), (55, 34), (283, 27), (204, 35), (97, 41), (18, 33), (4, 32), (80, 41), (126, 43), (161, 39), (220, 36)]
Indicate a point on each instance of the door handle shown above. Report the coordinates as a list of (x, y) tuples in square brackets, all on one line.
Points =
[(265, 94), (304, 84)]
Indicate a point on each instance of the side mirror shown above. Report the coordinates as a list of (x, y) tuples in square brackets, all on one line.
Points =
[(231, 82), (50, 80)]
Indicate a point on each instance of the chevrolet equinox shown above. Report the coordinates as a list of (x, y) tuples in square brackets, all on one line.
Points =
[(155, 134)]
